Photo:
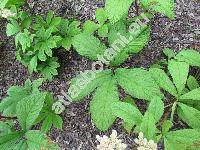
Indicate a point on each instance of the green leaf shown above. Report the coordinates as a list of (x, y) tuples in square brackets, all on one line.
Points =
[(89, 27), (181, 139), (163, 80), (100, 106), (156, 108), (15, 95), (5, 128), (28, 109), (148, 126), (129, 113), (57, 121), (47, 123), (192, 95), (101, 16), (169, 53), (116, 9), (86, 82), (189, 115), (190, 56), (36, 140), (138, 83), (8, 141), (167, 124), (67, 43), (88, 45), (103, 31), (192, 83), (136, 42), (33, 65), (179, 72), (12, 28), (165, 7), (24, 38)]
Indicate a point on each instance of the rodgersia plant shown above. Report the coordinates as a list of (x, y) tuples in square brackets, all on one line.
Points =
[(120, 43), (28, 106)]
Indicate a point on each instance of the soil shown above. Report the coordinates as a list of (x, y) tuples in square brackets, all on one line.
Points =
[(78, 132)]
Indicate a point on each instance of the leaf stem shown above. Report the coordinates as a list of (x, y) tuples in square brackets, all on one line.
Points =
[(173, 111)]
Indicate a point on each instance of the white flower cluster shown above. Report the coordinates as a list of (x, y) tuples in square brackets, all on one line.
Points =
[(144, 144), (110, 143), (5, 13)]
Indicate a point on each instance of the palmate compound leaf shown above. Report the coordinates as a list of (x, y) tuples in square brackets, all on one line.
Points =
[(138, 83), (189, 115), (89, 46), (129, 113), (165, 7), (86, 82), (163, 80), (116, 9), (185, 139), (100, 106), (29, 108), (190, 56), (15, 95), (179, 72)]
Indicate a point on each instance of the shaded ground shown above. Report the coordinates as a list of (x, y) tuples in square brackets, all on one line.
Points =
[(78, 131)]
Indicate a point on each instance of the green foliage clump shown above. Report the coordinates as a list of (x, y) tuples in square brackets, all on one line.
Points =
[(28, 106), (36, 40)]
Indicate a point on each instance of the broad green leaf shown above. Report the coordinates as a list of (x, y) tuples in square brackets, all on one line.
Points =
[(57, 121), (189, 115), (100, 106), (192, 95), (36, 140), (138, 83), (36, 84), (179, 72), (129, 113), (8, 141), (15, 95), (89, 27), (67, 43), (12, 28), (163, 80), (86, 82), (156, 108), (190, 56), (192, 83), (28, 109), (165, 7), (182, 139), (101, 16), (88, 45), (116, 9), (148, 126)]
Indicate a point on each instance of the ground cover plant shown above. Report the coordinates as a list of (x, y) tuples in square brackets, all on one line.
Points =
[(28, 106), (169, 88)]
